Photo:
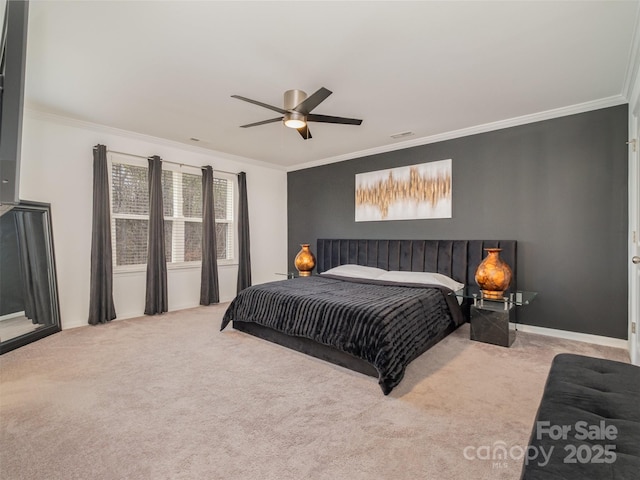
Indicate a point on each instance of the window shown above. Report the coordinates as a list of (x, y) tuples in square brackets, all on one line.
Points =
[(182, 202), (223, 199)]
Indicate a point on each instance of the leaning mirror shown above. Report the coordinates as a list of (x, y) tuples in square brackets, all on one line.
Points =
[(28, 289)]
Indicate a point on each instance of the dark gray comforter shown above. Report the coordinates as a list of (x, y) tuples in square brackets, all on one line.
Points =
[(385, 324)]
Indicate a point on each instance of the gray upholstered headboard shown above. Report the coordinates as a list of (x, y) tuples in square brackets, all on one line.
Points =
[(457, 259)]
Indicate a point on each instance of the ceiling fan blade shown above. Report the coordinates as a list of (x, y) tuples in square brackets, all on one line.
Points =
[(313, 101), (304, 132), (329, 119), (263, 122), (265, 105)]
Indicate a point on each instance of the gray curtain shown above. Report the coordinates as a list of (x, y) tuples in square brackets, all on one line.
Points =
[(209, 288), (34, 266), (244, 264), (101, 308), (156, 295)]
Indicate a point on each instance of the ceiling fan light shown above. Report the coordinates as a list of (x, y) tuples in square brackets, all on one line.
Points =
[(294, 123), (294, 120)]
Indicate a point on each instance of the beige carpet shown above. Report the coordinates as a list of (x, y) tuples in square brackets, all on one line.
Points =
[(170, 397)]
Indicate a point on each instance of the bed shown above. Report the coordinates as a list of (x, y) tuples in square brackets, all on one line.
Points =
[(371, 325)]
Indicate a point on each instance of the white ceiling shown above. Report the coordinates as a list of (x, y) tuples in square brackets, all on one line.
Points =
[(168, 69)]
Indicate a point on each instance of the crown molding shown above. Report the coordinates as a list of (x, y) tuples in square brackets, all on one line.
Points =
[(487, 127), (464, 132), (631, 86), (39, 114)]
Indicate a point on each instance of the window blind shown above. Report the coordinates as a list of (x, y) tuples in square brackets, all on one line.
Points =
[(182, 204)]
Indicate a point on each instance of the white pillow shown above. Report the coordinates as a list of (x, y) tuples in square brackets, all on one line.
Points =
[(421, 277), (355, 271)]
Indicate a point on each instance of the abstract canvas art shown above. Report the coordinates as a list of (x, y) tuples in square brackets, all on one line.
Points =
[(405, 193)]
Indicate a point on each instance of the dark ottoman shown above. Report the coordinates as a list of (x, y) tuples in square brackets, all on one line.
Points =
[(588, 422)]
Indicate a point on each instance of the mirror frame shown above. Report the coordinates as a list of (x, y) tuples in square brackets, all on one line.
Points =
[(21, 340)]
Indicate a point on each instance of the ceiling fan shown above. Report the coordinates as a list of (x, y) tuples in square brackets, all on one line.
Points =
[(297, 111)]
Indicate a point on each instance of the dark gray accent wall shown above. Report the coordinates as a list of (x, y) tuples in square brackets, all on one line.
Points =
[(559, 187)]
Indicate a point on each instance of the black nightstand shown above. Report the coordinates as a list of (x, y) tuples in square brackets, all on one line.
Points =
[(493, 320)]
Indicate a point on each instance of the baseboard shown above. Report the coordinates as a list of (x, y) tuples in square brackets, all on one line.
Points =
[(130, 315), (579, 337), (550, 332), (9, 316)]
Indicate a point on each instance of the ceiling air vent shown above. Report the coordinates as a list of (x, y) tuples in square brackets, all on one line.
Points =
[(402, 134)]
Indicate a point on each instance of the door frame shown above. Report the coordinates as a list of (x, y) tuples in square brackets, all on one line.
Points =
[(631, 91), (634, 232)]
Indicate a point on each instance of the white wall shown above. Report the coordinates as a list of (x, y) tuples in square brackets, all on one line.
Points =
[(57, 168)]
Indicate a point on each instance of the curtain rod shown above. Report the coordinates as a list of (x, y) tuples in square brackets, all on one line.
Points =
[(168, 161)]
